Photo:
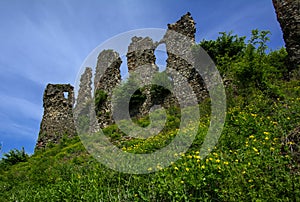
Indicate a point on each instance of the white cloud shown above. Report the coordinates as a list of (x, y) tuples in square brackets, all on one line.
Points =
[(19, 107)]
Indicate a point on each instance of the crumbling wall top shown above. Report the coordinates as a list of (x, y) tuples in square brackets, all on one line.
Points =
[(55, 94), (184, 26)]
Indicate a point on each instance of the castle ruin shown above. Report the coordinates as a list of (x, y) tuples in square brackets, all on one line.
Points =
[(141, 60), (58, 115)]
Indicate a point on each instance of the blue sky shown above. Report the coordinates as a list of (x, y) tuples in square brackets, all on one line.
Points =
[(46, 41)]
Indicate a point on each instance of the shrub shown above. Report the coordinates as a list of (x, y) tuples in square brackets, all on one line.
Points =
[(14, 156)]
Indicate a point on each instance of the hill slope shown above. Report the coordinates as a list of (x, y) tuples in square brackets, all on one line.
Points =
[(252, 159)]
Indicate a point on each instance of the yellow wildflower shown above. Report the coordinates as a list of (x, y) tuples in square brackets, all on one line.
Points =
[(226, 163), (159, 167), (266, 133), (251, 136), (187, 169), (218, 160)]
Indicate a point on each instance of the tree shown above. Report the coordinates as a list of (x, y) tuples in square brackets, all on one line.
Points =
[(15, 156), (250, 71), (224, 50), (226, 44)]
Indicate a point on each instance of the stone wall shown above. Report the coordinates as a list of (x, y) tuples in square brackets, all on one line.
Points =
[(140, 52), (141, 60), (84, 92), (288, 16), (107, 77), (58, 115), (83, 101), (177, 46)]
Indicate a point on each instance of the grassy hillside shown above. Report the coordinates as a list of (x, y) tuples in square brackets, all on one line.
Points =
[(252, 160)]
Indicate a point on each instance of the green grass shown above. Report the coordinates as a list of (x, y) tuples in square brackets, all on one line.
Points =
[(246, 164)]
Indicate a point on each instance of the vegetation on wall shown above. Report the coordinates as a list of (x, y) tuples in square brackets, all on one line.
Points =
[(100, 99)]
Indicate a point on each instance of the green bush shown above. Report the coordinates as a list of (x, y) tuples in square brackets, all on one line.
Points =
[(14, 156)]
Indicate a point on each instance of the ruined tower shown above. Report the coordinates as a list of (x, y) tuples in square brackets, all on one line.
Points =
[(141, 60), (141, 52), (58, 115), (179, 39), (288, 16), (107, 77), (84, 101)]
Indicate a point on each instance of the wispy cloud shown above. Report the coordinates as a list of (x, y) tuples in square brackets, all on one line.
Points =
[(15, 107)]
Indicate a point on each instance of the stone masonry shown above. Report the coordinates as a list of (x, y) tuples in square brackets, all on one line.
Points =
[(141, 56), (85, 91), (84, 99), (179, 38), (288, 16), (58, 115), (141, 52), (107, 77)]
